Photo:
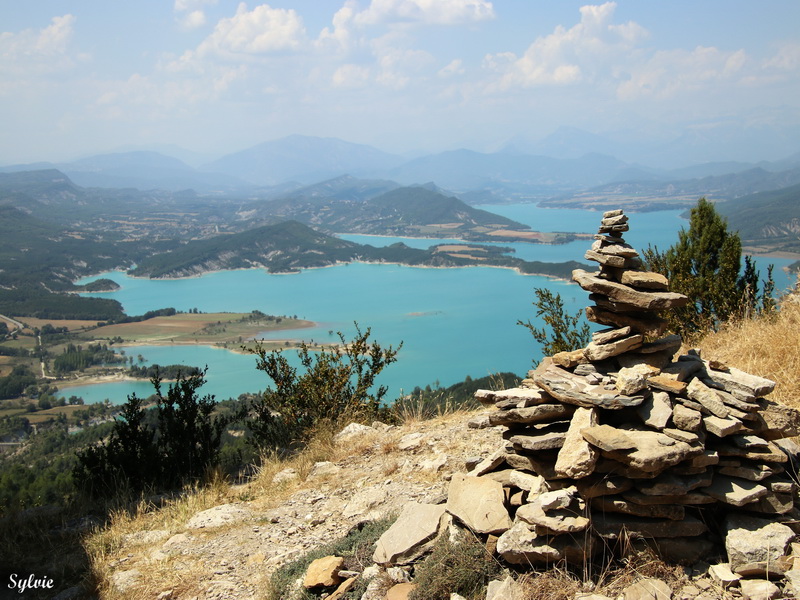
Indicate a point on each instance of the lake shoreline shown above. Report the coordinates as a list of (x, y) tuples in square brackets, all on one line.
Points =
[(338, 264)]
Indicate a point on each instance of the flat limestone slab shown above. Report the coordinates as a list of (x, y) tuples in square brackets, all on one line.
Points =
[(648, 325), (608, 438), (645, 279), (623, 249), (707, 397), (734, 491), (596, 352), (656, 410), (655, 452), (404, 541), (552, 521), (478, 503), (573, 389), (622, 293), (522, 546), (546, 441), (739, 383), (541, 413), (530, 396)]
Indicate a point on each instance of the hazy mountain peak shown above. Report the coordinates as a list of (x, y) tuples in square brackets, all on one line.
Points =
[(303, 158)]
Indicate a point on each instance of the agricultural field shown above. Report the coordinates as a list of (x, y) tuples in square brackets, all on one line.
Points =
[(196, 328)]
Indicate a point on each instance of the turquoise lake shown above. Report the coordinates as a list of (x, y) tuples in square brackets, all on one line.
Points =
[(452, 322)]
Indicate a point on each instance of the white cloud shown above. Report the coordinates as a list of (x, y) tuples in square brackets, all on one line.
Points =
[(37, 51), (340, 34), (668, 73), (429, 12), (583, 52), (398, 66), (258, 31), (350, 76), (454, 67), (189, 13), (193, 20), (786, 59)]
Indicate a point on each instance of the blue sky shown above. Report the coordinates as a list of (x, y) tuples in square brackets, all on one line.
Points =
[(79, 77)]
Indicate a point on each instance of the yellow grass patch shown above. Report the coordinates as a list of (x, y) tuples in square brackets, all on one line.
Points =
[(459, 248), (201, 328), (767, 347), (527, 235), (71, 325), (472, 256)]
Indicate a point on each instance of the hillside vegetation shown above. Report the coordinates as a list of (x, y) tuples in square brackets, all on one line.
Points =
[(767, 220)]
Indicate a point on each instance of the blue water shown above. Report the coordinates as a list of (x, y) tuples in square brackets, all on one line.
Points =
[(452, 322)]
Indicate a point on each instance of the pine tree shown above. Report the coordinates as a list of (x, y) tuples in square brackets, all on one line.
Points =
[(706, 265)]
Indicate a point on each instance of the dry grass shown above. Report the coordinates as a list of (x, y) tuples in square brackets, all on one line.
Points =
[(767, 346), (636, 566), (109, 548), (553, 584)]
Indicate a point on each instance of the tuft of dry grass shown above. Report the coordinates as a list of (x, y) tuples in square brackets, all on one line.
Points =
[(765, 346), (553, 584), (417, 407), (639, 565)]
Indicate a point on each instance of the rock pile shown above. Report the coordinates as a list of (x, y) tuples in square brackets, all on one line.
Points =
[(620, 439)]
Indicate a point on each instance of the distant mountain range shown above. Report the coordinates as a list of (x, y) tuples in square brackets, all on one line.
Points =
[(515, 173), (141, 170), (304, 159)]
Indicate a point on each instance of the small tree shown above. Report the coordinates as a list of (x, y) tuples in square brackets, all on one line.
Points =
[(128, 459), (188, 435), (139, 454), (566, 332), (336, 384), (706, 265)]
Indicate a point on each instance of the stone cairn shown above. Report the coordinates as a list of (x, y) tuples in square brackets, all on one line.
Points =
[(621, 441)]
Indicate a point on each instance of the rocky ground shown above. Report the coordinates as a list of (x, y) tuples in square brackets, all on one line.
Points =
[(230, 549), (226, 543)]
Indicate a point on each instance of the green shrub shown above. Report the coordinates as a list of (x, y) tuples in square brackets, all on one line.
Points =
[(336, 384), (139, 454), (462, 566), (565, 333)]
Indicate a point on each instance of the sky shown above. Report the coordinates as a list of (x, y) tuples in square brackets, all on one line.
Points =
[(79, 77)]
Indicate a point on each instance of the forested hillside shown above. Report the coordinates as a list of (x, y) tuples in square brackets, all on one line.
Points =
[(768, 220)]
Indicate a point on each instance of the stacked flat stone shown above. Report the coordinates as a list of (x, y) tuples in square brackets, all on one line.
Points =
[(622, 438)]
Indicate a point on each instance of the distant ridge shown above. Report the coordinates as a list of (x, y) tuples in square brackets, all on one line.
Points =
[(143, 170), (302, 158)]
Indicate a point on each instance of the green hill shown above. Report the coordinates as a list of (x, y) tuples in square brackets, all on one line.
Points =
[(768, 220)]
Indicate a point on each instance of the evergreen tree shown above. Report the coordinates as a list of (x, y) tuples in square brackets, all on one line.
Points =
[(706, 265), (188, 436), (140, 454)]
